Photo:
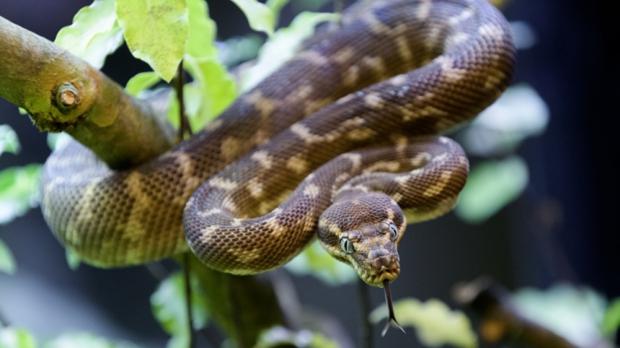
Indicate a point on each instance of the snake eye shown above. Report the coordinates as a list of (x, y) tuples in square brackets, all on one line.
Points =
[(346, 245), (393, 230)]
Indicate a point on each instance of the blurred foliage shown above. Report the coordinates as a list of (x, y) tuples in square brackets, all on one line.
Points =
[(21, 338), (169, 308), (572, 312), (435, 323), (239, 49), (141, 82), (518, 114), (16, 338), (315, 261), (8, 140), (7, 263), (85, 340), (611, 320), (19, 191), (94, 33), (259, 15), (490, 186), (213, 88), (282, 337), (158, 35)]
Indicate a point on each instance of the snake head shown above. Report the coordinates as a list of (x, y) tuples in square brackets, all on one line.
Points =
[(364, 231)]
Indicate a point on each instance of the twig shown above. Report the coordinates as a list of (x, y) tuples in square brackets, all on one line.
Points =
[(364, 298), (500, 321), (184, 126), (188, 299)]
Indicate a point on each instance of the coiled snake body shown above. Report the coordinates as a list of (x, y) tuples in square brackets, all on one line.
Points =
[(337, 141)]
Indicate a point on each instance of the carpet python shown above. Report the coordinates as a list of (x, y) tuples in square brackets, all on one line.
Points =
[(342, 142)]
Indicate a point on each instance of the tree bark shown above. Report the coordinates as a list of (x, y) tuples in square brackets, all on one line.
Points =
[(63, 93)]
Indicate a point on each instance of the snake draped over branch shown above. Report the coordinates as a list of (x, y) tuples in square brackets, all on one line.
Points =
[(342, 142)]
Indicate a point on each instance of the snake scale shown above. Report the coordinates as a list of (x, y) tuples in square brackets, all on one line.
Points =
[(342, 142)]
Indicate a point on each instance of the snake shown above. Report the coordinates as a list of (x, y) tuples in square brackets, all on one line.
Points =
[(344, 143)]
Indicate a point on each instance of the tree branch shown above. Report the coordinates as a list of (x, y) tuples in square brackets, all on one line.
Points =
[(64, 93)]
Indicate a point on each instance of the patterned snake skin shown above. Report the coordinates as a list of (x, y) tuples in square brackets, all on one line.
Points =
[(335, 143)]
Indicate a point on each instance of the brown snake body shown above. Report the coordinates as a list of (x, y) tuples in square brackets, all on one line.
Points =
[(308, 150)]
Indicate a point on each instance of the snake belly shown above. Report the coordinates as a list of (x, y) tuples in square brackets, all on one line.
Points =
[(393, 71)]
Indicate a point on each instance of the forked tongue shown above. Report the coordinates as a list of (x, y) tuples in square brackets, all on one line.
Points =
[(392, 322)]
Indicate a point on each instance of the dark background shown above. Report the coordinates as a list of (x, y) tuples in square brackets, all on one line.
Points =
[(564, 227)]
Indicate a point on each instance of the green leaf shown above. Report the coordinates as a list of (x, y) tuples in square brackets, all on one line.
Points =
[(518, 114), (611, 321), (276, 7), (156, 32), (572, 312), (240, 49), (16, 338), (85, 340), (490, 187), (7, 263), (8, 140), (94, 33), (140, 82), (315, 261), (281, 47), (19, 191), (259, 16), (202, 30), (217, 89), (279, 337), (168, 306), (213, 88), (435, 323)]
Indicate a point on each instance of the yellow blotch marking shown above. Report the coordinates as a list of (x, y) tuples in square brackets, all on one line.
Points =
[(265, 106), (312, 191), (223, 183), (375, 25), (438, 187), (424, 9), (351, 75), (420, 159), (245, 256), (230, 148), (344, 55), (459, 18), (375, 63), (255, 187), (456, 39), (300, 93), (360, 134), (355, 158), (263, 159), (373, 100), (448, 71), (403, 49), (297, 164), (398, 80), (312, 57), (229, 205), (390, 166)]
